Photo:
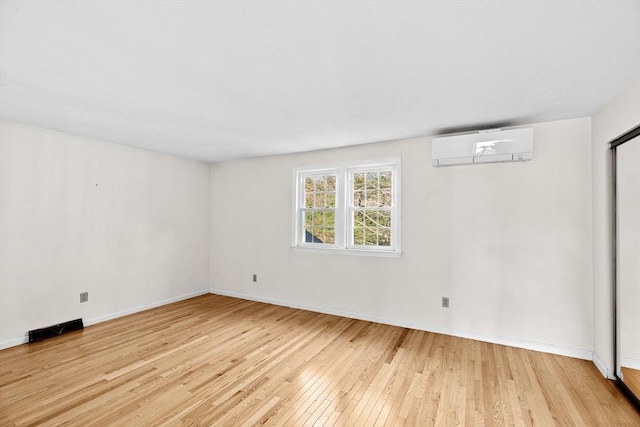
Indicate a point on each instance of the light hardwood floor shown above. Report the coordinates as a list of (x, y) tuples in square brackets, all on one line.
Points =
[(222, 361), (632, 379)]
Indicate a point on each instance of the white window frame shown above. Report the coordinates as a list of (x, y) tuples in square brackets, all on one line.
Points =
[(344, 207)]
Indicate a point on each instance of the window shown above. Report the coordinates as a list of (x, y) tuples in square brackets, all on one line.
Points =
[(349, 209), (319, 208)]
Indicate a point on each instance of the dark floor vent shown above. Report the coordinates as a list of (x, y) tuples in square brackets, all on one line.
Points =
[(55, 330)]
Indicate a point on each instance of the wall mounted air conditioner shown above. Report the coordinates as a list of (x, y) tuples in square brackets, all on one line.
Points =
[(490, 146)]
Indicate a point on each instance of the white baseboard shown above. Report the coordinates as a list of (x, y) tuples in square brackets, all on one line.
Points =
[(630, 362), (99, 319), (602, 367), (92, 321), (13, 342), (627, 362), (495, 339)]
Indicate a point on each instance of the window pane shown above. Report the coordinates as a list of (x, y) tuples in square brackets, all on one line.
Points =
[(308, 219), (371, 180), (370, 237), (308, 184), (371, 219), (385, 198), (385, 179), (384, 218), (331, 200), (311, 236), (358, 219), (319, 226), (320, 191), (372, 204), (309, 187), (329, 219), (358, 227), (329, 235), (372, 227), (331, 183), (358, 235), (372, 198), (384, 238)]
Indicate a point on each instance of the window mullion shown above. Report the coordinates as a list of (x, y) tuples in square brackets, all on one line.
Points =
[(341, 205)]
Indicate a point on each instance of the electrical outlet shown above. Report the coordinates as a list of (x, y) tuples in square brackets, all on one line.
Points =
[(255, 277), (84, 296), (445, 302)]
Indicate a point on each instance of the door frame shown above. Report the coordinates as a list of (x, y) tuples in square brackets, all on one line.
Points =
[(613, 145)]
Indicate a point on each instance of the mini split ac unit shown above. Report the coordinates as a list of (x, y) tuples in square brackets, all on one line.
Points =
[(483, 147)]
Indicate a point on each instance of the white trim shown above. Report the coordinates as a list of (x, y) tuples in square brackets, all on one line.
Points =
[(395, 166), (630, 362), (92, 321), (298, 223), (495, 339), (14, 342), (343, 172), (340, 251), (602, 367)]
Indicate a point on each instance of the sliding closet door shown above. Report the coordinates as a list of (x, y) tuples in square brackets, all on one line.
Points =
[(628, 262)]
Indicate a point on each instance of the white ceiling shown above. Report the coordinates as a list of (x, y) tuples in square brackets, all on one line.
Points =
[(220, 80)]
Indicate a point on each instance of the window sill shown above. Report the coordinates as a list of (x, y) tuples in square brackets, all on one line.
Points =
[(356, 252)]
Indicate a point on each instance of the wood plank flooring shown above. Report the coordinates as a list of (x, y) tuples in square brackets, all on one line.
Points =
[(220, 361), (632, 379)]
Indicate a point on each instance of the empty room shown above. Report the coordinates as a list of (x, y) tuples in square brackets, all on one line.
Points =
[(319, 213)]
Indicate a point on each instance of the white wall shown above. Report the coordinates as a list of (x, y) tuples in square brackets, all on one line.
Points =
[(510, 244), (615, 118), (128, 226)]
